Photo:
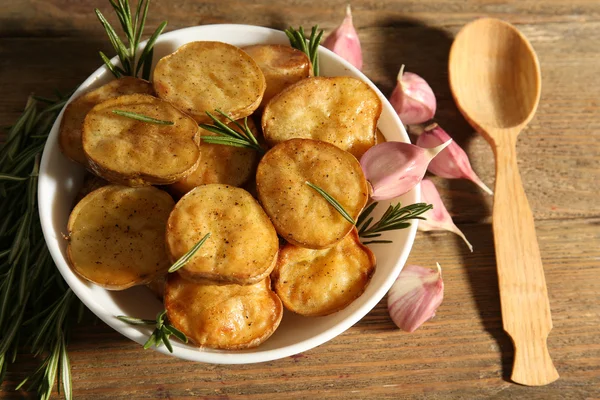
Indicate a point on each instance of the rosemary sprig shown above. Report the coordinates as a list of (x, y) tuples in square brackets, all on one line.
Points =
[(228, 136), (133, 27), (331, 200), (395, 217), (142, 117), (36, 306), (162, 332), (187, 256), (298, 41)]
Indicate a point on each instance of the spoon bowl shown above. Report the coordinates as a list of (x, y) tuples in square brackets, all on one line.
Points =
[(496, 82)]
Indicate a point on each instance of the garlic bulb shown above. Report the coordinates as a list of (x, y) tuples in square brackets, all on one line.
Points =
[(415, 296), (453, 163), (438, 218), (344, 41), (413, 98), (394, 168)]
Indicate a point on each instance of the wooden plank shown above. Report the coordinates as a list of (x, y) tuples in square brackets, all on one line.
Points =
[(462, 352)]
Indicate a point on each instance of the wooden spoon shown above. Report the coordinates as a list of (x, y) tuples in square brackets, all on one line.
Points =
[(496, 82)]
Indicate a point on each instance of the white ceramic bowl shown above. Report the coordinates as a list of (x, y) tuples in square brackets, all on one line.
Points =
[(60, 180)]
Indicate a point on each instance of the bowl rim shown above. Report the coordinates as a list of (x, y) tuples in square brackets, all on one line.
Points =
[(193, 353)]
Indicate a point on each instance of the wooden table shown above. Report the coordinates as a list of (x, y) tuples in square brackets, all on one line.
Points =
[(463, 352)]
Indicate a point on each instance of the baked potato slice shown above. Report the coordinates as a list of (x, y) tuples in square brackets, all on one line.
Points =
[(205, 76), (221, 164), (281, 65), (321, 282), (223, 316), (69, 136), (127, 151), (243, 245), (342, 111), (116, 236), (300, 214)]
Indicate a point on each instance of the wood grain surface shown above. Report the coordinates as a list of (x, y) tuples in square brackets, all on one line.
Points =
[(463, 352)]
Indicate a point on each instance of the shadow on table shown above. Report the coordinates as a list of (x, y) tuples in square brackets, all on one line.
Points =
[(424, 50)]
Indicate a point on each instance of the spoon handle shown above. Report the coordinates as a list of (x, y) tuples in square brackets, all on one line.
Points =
[(523, 294)]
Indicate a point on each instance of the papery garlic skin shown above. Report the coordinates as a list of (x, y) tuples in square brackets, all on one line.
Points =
[(413, 98), (415, 296), (395, 168), (453, 162), (438, 218), (344, 41)]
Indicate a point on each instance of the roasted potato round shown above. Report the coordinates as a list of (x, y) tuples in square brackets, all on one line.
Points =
[(342, 111), (220, 164), (282, 66), (71, 125), (116, 236), (205, 76), (135, 153), (223, 316), (243, 245), (300, 214), (321, 282)]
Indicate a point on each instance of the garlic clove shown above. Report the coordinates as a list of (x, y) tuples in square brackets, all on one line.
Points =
[(413, 98), (415, 296), (395, 168), (452, 163), (438, 218), (344, 41)]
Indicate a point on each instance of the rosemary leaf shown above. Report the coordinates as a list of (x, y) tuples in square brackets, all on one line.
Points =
[(65, 367), (363, 215), (176, 332), (142, 117), (228, 136), (151, 340), (135, 321), (226, 141), (377, 242), (117, 72), (187, 256), (395, 217), (146, 56), (166, 341), (298, 41), (336, 204)]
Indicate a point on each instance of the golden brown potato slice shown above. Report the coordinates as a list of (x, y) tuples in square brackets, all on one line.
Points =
[(342, 111), (282, 66), (300, 214), (223, 316), (221, 164), (204, 76), (321, 282), (242, 247), (135, 153), (69, 137), (117, 234)]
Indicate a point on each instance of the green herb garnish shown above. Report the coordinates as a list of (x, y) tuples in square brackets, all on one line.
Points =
[(36, 306), (395, 217), (161, 333), (298, 41), (336, 204), (187, 256), (133, 27), (229, 136), (142, 117)]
